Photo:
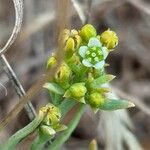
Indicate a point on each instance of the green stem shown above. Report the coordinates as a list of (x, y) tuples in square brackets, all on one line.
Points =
[(21, 134), (39, 143), (66, 105), (66, 134)]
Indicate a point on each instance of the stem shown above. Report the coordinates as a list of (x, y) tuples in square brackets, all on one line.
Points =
[(66, 106), (21, 134), (66, 134), (18, 87), (39, 143)]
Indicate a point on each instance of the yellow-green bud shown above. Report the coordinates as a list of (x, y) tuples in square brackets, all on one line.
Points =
[(51, 114), (87, 32), (51, 62), (95, 100), (109, 39), (76, 91), (46, 131), (69, 47), (64, 73), (71, 41)]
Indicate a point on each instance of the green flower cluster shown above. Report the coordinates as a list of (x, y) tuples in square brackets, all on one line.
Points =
[(51, 121), (81, 76)]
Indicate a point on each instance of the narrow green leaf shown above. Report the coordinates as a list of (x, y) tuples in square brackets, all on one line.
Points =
[(55, 88), (21, 134), (63, 137), (102, 80), (113, 104)]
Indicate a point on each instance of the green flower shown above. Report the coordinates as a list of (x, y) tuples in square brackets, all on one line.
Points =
[(94, 54)]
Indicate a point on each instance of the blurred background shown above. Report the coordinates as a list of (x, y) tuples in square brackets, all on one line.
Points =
[(130, 62)]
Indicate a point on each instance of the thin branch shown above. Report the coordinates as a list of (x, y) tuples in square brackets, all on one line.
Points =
[(18, 4), (18, 87), (142, 5), (79, 10), (88, 11)]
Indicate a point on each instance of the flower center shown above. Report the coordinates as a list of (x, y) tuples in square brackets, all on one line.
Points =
[(94, 55)]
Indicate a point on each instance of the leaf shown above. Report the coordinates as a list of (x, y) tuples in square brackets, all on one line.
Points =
[(81, 100), (55, 88), (102, 80), (22, 133), (46, 130), (113, 104), (60, 127)]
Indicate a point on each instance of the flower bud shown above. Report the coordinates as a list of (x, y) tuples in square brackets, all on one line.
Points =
[(46, 131), (69, 47), (51, 62), (63, 74), (76, 91), (109, 39), (51, 114), (95, 100), (87, 32), (71, 41)]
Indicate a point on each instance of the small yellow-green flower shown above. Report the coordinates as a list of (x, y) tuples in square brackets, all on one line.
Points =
[(109, 39), (94, 54), (51, 114), (51, 121)]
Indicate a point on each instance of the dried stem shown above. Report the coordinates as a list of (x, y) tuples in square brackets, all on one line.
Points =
[(18, 4), (18, 87)]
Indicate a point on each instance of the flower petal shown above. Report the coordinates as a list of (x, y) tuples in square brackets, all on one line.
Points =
[(105, 52), (86, 63), (94, 42), (82, 51), (99, 65)]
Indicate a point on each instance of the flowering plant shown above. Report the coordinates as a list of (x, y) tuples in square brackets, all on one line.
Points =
[(80, 80)]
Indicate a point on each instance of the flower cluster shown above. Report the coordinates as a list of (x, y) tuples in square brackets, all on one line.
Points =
[(51, 121), (82, 77)]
